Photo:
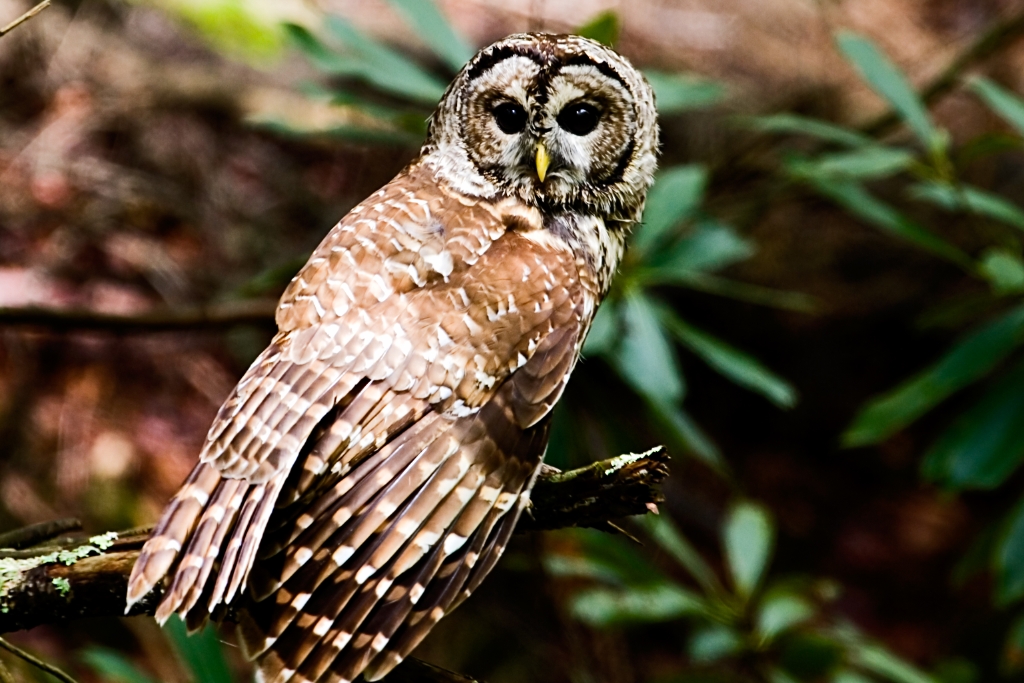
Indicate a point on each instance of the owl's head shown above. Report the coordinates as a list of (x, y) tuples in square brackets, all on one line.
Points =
[(562, 122)]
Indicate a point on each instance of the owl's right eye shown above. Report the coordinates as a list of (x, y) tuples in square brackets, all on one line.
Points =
[(510, 117)]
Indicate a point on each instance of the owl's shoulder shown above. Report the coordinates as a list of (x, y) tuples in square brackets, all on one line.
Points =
[(413, 233)]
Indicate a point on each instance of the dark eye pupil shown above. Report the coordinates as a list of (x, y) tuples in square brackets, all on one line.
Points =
[(579, 118), (510, 117)]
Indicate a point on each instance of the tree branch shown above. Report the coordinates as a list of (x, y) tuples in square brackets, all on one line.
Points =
[(161, 320), (69, 578), (36, 662), (591, 496), (34, 534), (24, 17), (998, 36)]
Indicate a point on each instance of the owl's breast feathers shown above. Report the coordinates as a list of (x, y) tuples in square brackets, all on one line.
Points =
[(368, 469)]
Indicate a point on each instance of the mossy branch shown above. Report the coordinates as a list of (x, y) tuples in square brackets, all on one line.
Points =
[(68, 578)]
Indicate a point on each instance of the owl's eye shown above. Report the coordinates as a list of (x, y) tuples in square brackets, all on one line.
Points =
[(579, 118), (510, 117)]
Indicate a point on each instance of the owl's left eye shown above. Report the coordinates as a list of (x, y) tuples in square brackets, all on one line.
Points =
[(510, 117), (579, 118)]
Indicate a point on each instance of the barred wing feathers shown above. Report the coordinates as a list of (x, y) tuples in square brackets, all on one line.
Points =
[(366, 472)]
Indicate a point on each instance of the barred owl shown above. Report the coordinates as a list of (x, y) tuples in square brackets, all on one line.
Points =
[(366, 473)]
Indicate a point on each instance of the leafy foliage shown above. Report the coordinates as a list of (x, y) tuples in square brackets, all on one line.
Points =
[(781, 624), (201, 654), (984, 445)]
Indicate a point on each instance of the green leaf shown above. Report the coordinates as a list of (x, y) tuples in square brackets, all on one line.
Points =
[(879, 661), (733, 289), (730, 362), (646, 604), (747, 539), (233, 26), (779, 612), (436, 31), (676, 194), (823, 130), (675, 93), (579, 567), (604, 331), (669, 538), (113, 666), (317, 52), (970, 359), (1008, 561), (709, 246), (645, 357), (686, 434), (865, 163), (620, 555), (1004, 270), (1001, 101), (383, 67), (854, 198), (604, 28), (201, 652), (985, 444), (889, 82), (971, 199), (714, 643)]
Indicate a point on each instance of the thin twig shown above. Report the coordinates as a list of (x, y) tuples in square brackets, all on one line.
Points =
[(212, 317), (37, 533), (991, 41), (417, 671), (24, 17), (38, 663)]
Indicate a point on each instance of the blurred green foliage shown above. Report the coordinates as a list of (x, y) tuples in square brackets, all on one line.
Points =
[(200, 654), (984, 445), (780, 628)]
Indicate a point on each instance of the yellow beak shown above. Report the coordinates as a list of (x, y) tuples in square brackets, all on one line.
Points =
[(543, 161)]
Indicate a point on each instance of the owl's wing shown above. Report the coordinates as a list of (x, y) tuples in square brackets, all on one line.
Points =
[(390, 426), (356, 590)]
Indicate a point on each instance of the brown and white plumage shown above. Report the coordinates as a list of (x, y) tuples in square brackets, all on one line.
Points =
[(367, 471)]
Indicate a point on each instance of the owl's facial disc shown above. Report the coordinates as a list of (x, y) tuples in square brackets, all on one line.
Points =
[(588, 125), (544, 130), (558, 121)]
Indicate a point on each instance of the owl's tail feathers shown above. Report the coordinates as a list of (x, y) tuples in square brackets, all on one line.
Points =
[(172, 532), (401, 627), (206, 512), (392, 548)]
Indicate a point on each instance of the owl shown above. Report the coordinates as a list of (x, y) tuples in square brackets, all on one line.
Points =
[(366, 473)]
